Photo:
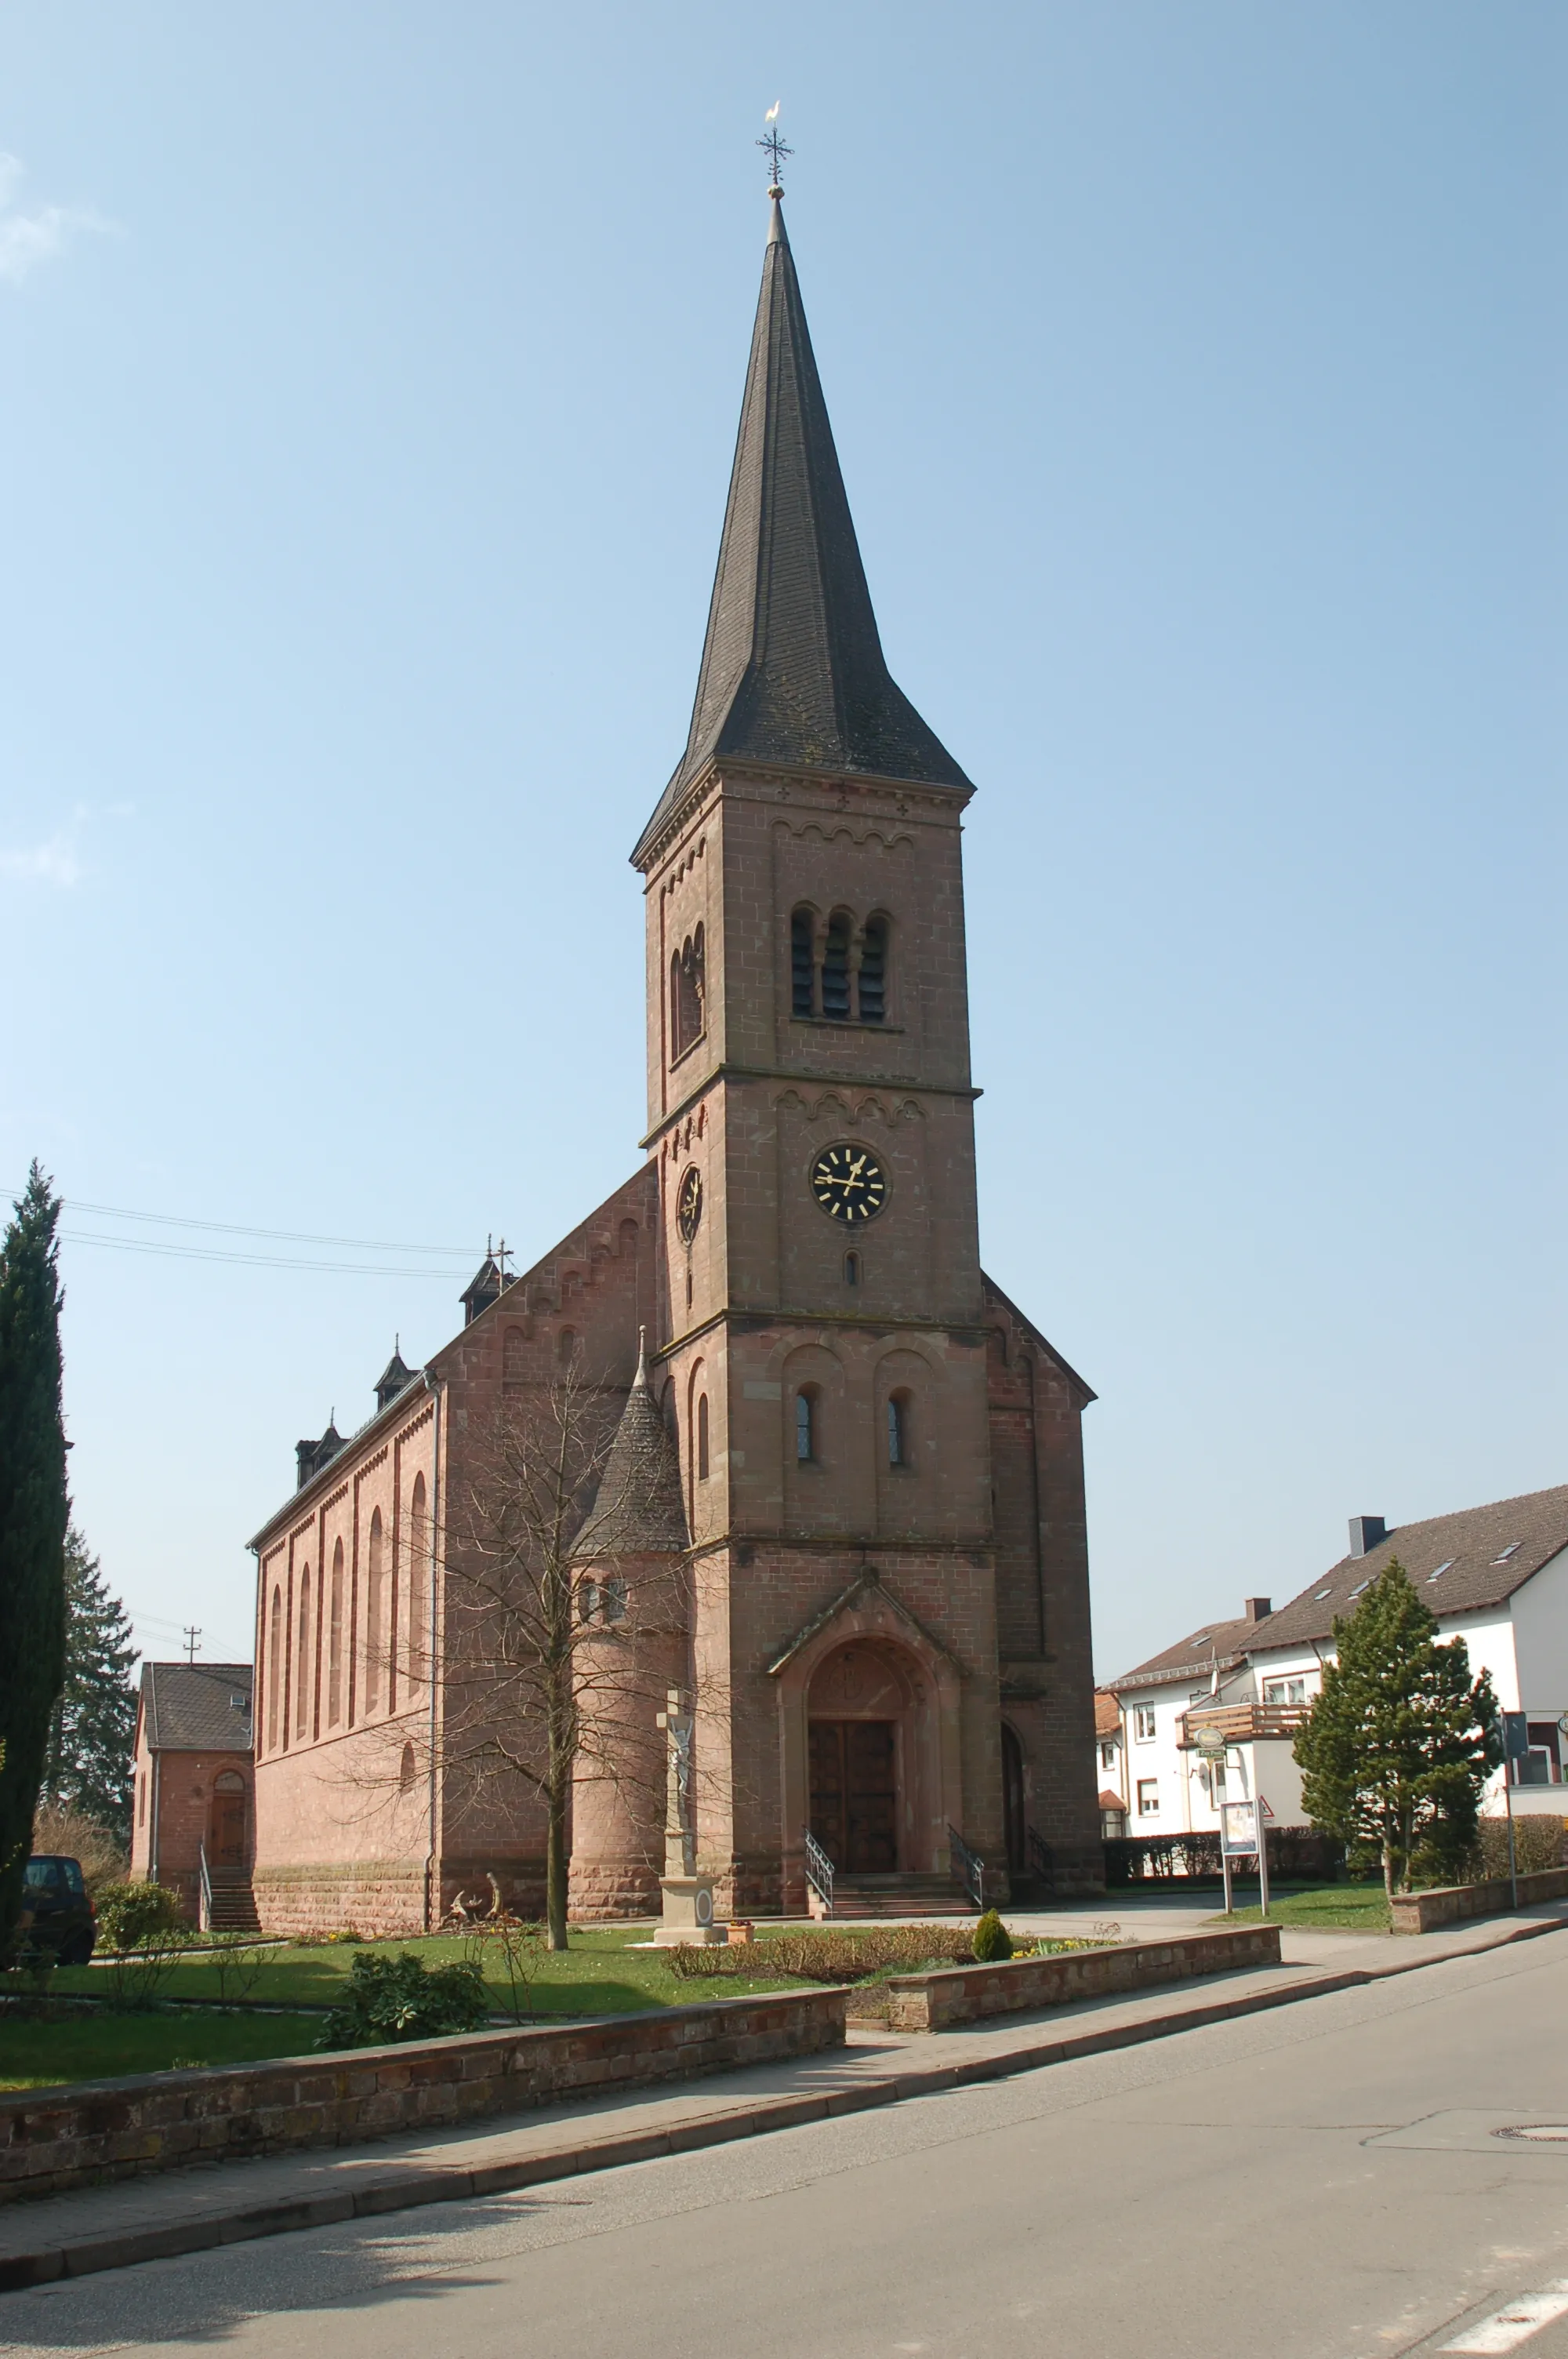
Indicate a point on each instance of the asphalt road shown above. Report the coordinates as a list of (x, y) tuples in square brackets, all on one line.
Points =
[(1321, 2182)]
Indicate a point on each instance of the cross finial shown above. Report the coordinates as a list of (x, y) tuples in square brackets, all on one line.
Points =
[(773, 146)]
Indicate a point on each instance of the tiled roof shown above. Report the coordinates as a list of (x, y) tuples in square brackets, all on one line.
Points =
[(1109, 1801), (793, 670), (1195, 1658), (190, 1707), (639, 1510), (1484, 1554), (1107, 1714)]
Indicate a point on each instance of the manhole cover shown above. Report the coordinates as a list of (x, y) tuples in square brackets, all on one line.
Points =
[(1538, 2132)]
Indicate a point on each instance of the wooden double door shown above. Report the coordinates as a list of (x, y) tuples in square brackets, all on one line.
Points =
[(854, 1794)]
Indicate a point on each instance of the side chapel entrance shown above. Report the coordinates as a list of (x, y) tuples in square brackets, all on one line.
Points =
[(227, 1826)]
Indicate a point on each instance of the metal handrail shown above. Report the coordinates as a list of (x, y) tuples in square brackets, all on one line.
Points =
[(818, 1870), (204, 1905), (1042, 1858), (967, 1866)]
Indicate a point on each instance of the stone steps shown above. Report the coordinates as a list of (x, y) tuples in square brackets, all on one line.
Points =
[(899, 1896)]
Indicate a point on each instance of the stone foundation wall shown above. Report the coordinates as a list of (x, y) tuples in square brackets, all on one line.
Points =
[(378, 1897), (55, 2138), (968, 1993)]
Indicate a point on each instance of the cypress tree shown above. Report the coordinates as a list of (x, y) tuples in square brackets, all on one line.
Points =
[(34, 1513), (1398, 1747), (87, 1767)]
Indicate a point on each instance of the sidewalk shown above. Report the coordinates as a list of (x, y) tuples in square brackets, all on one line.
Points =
[(192, 2209)]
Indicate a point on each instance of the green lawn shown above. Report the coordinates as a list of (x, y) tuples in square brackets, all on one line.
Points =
[(1323, 1908), (600, 1974), (101, 2047)]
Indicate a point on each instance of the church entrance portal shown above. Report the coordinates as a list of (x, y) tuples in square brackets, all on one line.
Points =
[(865, 1714), (854, 1794)]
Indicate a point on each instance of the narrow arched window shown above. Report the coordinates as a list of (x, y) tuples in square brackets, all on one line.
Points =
[(805, 1428), (836, 969), (873, 993), (418, 1567), (335, 1642), (676, 1043), (274, 1669), (513, 1356), (688, 992), (803, 961), (566, 1346), (588, 1601), (898, 1430), (851, 1269), (302, 1683), (702, 1438), (406, 1768), (374, 1614), (614, 1599)]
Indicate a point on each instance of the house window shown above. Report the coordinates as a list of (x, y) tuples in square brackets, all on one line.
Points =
[(1542, 1766), (873, 970), (1143, 1724), (1287, 1690), (1211, 1777), (613, 1599), (1108, 1753), (805, 1428), (1148, 1797), (898, 1430)]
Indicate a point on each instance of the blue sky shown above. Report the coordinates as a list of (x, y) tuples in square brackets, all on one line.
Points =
[(371, 379)]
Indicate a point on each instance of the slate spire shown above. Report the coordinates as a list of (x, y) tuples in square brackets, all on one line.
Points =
[(793, 670), (639, 1509)]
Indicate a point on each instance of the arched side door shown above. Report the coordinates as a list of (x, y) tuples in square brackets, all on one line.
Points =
[(229, 1826)]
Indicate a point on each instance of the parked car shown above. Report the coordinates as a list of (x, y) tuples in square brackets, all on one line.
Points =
[(57, 1912)]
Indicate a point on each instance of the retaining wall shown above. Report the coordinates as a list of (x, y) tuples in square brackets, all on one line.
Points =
[(99, 2130), (1451, 1904), (931, 2002)]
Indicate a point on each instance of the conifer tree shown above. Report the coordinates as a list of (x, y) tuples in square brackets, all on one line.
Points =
[(1397, 1748), (34, 1511), (87, 1767)]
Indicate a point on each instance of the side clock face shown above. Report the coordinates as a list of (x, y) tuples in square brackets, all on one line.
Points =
[(688, 1204), (848, 1183)]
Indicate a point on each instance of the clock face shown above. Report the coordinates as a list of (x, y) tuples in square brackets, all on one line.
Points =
[(848, 1183), (688, 1204)]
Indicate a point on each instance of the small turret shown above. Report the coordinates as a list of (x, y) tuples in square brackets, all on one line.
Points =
[(394, 1378), (311, 1456)]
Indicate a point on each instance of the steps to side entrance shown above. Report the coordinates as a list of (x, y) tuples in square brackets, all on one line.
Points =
[(234, 1902)]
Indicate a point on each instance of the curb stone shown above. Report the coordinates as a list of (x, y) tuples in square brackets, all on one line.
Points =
[(410, 2190)]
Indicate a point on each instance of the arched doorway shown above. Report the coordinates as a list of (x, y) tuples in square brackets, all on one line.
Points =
[(228, 1821), (1013, 1816), (862, 1708)]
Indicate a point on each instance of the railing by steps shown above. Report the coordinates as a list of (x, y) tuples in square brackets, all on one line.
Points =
[(819, 1871), (204, 1900), (967, 1866)]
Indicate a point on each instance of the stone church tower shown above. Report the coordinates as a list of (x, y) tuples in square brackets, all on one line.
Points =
[(857, 1462), (883, 1480)]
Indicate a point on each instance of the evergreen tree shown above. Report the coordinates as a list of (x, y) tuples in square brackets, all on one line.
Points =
[(1397, 1748), (87, 1767), (34, 1511)]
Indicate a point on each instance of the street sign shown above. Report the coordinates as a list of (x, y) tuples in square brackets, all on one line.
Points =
[(1515, 1735)]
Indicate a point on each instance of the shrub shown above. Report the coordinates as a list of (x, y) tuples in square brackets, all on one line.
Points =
[(60, 1831), (515, 1949), (142, 1927), (1538, 1843), (829, 1956), (390, 1999), (992, 1941)]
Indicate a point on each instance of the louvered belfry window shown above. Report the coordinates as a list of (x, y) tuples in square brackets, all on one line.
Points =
[(873, 970), (836, 970), (802, 928)]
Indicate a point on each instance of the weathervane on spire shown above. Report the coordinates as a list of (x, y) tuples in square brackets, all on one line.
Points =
[(775, 150)]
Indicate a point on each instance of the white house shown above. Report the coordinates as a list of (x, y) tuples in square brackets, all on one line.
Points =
[(1496, 1576)]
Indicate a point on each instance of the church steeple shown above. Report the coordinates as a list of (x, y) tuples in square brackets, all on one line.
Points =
[(793, 671)]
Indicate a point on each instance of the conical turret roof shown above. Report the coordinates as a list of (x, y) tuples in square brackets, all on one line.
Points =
[(639, 1510), (793, 671)]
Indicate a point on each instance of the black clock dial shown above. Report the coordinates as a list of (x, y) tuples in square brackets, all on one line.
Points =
[(688, 1204), (848, 1183)]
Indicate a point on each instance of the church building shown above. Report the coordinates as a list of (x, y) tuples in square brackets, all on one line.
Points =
[(871, 1459)]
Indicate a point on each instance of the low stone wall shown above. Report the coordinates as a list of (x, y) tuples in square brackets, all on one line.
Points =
[(1451, 1904), (99, 2130), (932, 2002)]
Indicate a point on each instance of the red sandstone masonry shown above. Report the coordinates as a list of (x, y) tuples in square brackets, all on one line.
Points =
[(1451, 1904), (969, 1994), (55, 2138)]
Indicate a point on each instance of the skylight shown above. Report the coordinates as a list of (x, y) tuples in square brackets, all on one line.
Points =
[(1324, 1592), (1365, 1584), (1447, 1566), (1503, 1554), (1201, 1640)]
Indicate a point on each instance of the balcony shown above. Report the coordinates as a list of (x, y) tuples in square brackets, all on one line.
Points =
[(1242, 1724)]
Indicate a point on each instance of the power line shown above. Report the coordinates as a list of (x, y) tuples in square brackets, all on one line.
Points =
[(248, 1261), (279, 1236)]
